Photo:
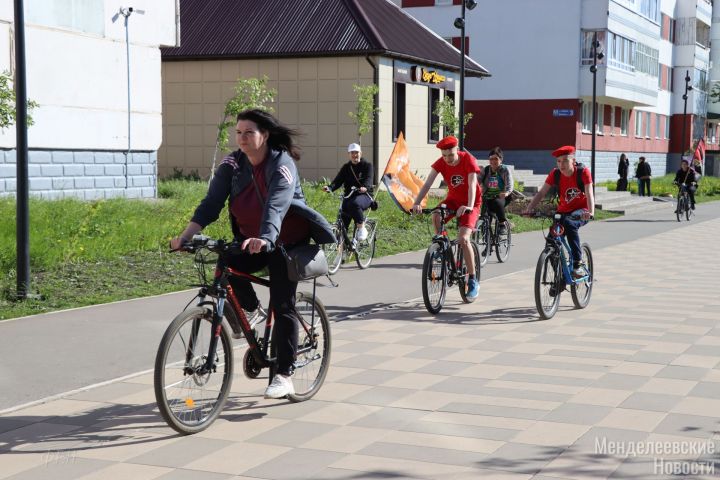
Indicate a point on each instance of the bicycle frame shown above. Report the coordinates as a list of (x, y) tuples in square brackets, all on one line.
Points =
[(222, 291), (341, 224), (446, 244), (556, 240)]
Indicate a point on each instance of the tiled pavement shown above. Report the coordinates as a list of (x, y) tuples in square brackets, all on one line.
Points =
[(481, 391)]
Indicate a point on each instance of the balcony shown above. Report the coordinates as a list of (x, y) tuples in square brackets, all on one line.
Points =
[(620, 85)]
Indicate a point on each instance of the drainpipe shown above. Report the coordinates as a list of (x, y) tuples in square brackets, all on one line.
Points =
[(376, 136)]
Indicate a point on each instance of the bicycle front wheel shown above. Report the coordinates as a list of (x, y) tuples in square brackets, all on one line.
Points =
[(434, 283), (688, 210), (582, 289), (365, 250), (334, 251), (481, 237), (464, 272), (680, 208), (502, 248), (190, 399), (313, 358), (547, 278)]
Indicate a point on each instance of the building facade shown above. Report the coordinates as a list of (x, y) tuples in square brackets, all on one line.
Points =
[(82, 143), (540, 95), (314, 71)]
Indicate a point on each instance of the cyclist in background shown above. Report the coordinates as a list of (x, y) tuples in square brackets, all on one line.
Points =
[(686, 177), (459, 171), (357, 173), (572, 199), (497, 184)]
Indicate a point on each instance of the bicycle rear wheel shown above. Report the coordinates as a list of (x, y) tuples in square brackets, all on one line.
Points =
[(688, 210), (481, 237), (334, 251), (313, 358), (582, 290), (464, 273), (502, 249), (547, 278), (189, 400), (434, 283), (365, 250)]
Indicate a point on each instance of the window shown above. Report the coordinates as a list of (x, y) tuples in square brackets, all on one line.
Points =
[(667, 128), (586, 57), (648, 131), (587, 117), (81, 15), (620, 52), (624, 121), (667, 28), (702, 34), (711, 130), (399, 111), (649, 9), (700, 82), (638, 124), (612, 120), (433, 120), (646, 59), (600, 118), (658, 123)]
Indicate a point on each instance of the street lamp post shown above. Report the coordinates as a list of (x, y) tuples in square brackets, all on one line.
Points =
[(596, 56), (460, 23), (688, 88)]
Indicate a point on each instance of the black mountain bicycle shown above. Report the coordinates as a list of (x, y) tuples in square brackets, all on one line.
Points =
[(488, 237), (554, 270), (344, 246), (195, 360), (683, 204), (444, 266)]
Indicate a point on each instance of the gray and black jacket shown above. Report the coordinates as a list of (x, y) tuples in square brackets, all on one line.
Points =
[(285, 195), (504, 173)]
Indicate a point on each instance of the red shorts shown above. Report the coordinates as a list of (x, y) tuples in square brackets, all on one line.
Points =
[(468, 219)]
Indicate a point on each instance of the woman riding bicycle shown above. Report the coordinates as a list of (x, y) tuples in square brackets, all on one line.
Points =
[(497, 185), (685, 177), (267, 208), (357, 173)]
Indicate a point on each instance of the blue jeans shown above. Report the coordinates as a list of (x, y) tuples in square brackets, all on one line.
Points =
[(573, 236)]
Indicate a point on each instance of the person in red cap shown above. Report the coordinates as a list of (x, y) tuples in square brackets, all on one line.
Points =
[(459, 171), (573, 200)]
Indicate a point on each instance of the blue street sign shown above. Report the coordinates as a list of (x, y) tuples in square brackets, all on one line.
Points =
[(558, 112)]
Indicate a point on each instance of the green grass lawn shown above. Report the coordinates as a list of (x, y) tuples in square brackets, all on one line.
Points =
[(708, 187), (85, 253)]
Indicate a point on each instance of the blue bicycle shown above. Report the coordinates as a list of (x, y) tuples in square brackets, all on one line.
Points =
[(553, 273)]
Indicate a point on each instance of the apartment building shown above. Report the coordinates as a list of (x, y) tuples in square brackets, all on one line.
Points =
[(540, 94)]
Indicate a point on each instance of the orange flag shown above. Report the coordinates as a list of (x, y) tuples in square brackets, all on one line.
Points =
[(402, 184)]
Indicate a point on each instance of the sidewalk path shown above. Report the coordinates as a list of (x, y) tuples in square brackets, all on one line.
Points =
[(480, 391)]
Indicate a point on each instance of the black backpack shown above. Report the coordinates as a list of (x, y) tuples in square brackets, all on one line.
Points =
[(555, 190)]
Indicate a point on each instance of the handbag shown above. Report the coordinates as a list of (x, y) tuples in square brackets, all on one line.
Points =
[(305, 261)]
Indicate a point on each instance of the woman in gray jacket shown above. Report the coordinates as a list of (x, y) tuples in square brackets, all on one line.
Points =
[(260, 184), (497, 185)]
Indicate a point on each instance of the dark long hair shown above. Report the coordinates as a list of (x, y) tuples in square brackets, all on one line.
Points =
[(496, 151), (280, 137)]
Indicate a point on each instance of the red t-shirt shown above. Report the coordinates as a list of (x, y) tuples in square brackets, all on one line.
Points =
[(456, 177), (569, 194), (247, 209)]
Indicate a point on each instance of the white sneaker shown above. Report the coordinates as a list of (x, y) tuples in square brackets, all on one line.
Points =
[(280, 387), (361, 234), (254, 318)]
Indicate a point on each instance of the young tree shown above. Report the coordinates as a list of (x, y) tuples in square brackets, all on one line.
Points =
[(365, 110), (7, 103), (249, 93), (445, 111)]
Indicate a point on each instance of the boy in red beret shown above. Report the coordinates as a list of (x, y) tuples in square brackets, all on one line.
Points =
[(572, 200), (459, 171)]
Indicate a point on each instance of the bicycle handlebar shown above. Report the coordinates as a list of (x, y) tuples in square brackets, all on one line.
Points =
[(214, 245), (557, 216)]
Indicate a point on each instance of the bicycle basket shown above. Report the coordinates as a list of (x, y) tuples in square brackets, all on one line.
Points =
[(205, 262)]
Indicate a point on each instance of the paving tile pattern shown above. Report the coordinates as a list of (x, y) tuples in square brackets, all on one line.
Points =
[(480, 391)]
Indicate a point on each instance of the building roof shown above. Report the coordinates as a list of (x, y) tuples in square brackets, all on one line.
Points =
[(222, 29)]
